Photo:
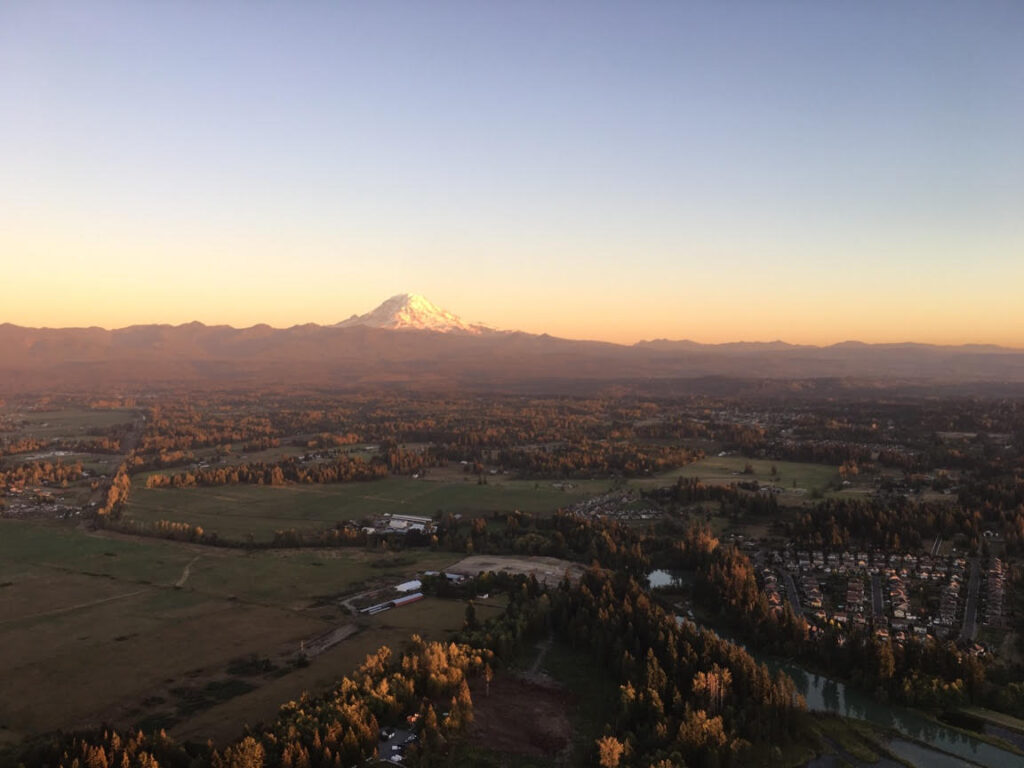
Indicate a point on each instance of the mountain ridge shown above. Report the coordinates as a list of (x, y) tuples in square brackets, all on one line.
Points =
[(409, 340), (659, 343), (652, 344)]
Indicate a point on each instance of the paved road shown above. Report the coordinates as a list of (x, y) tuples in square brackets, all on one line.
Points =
[(794, 596), (394, 746), (878, 607), (970, 628), (876, 595)]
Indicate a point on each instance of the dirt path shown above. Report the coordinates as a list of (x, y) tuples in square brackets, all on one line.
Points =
[(186, 573), (349, 602), (542, 650)]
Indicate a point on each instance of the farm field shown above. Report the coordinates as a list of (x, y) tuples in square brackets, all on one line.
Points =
[(97, 463), (431, 618), (235, 512), (68, 422), (253, 512), (96, 627), (238, 456)]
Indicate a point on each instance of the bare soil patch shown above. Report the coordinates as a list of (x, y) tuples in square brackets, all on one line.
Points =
[(548, 570), (318, 645), (524, 717)]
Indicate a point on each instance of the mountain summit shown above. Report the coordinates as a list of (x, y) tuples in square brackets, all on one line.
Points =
[(409, 311)]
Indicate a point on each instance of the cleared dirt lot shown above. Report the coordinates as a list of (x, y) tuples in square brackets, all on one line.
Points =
[(522, 717), (548, 570)]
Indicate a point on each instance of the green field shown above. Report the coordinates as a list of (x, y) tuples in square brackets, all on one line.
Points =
[(240, 511), (69, 422), (238, 456), (294, 578), (274, 578), (790, 475), (94, 625), (97, 463), (25, 546), (235, 512)]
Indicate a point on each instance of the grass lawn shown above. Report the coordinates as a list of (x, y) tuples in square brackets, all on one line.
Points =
[(235, 512)]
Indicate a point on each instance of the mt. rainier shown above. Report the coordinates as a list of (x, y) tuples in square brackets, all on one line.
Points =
[(410, 311)]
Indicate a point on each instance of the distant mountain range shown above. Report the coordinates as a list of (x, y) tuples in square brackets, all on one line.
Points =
[(409, 341)]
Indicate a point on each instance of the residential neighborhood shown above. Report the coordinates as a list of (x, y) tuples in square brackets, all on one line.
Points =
[(895, 595)]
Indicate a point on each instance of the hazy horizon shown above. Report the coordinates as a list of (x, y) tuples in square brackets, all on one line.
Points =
[(810, 172)]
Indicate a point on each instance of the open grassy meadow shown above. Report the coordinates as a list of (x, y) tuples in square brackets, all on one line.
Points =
[(110, 628), (801, 477), (68, 422), (251, 512), (235, 512)]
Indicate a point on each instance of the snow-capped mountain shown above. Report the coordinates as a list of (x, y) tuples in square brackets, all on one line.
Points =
[(409, 311)]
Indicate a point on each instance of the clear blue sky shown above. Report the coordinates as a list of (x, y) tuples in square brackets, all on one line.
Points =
[(813, 170)]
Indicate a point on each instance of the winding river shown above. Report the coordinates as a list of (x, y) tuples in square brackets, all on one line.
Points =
[(952, 748), (826, 695)]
